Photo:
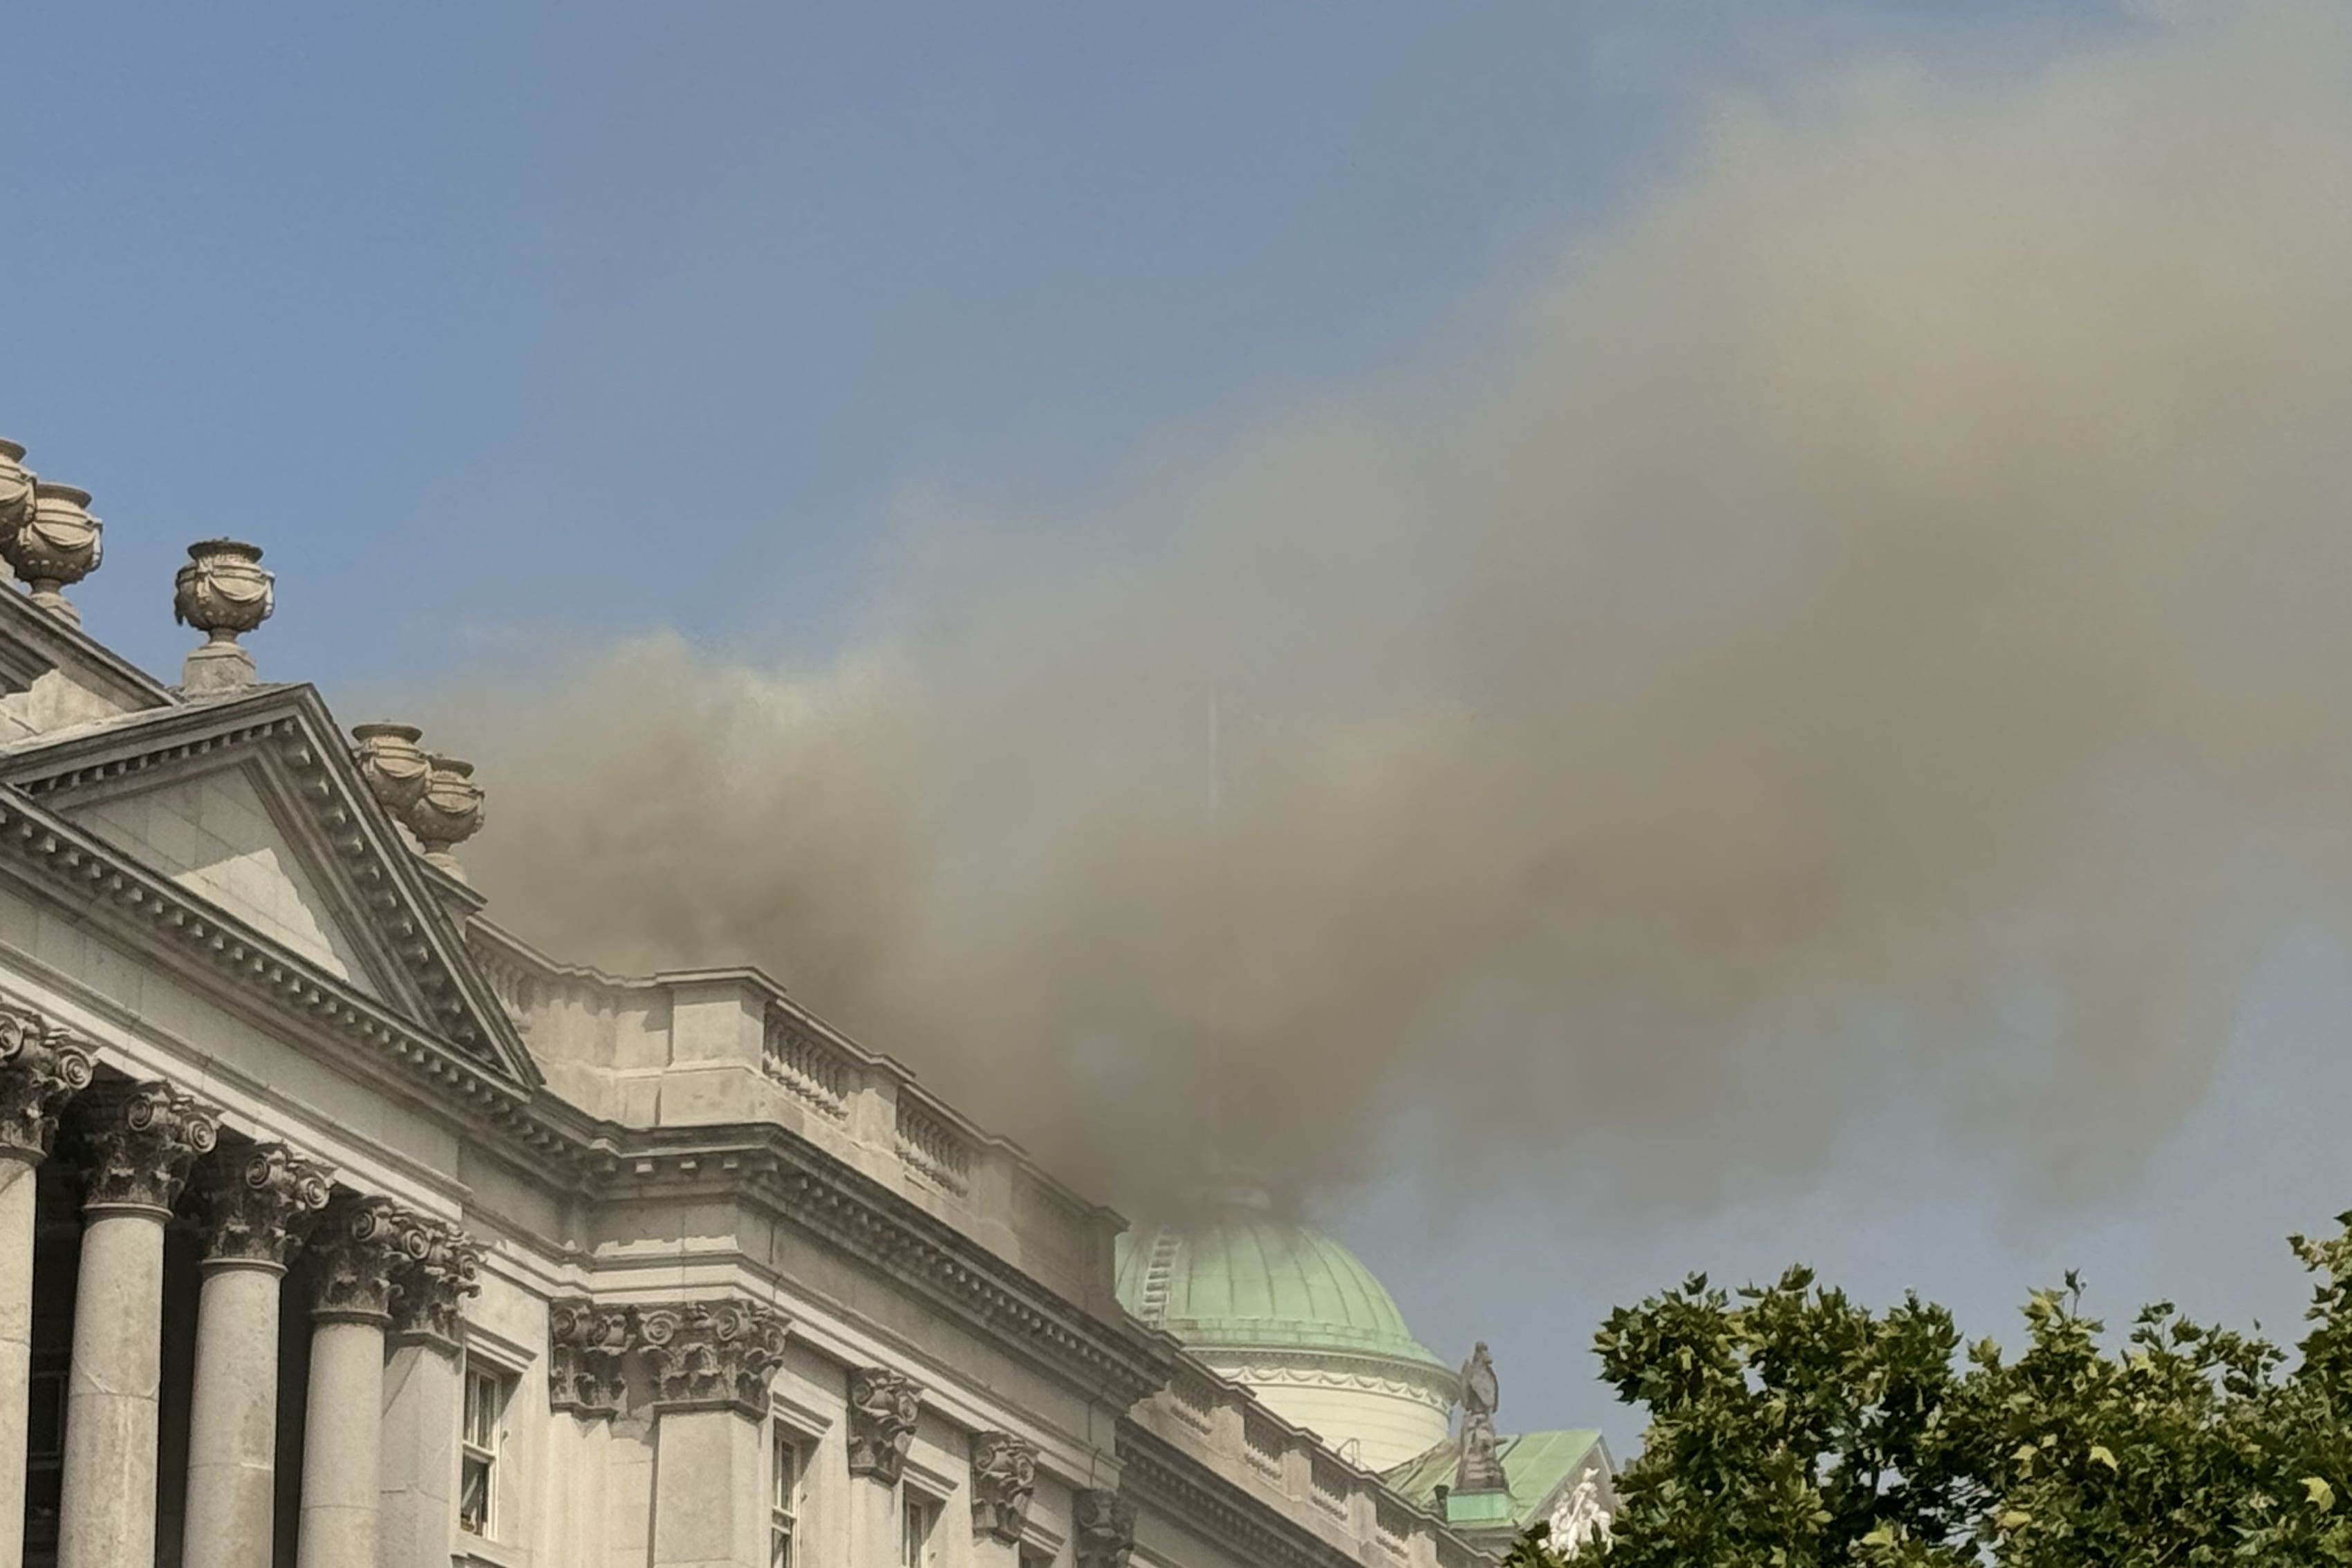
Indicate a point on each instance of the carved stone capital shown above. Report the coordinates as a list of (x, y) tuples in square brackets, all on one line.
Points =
[(884, 1406), (1103, 1530), (429, 1291), (1004, 1478), (358, 1244), (261, 1203), (40, 1069), (711, 1355), (144, 1139), (585, 1347)]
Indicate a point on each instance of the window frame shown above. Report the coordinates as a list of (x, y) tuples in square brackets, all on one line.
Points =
[(475, 1371), (919, 1550), (785, 1475)]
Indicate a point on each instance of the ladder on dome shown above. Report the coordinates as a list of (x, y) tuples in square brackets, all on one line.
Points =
[(1157, 1273)]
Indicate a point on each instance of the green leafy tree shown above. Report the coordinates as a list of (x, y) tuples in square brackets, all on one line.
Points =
[(1790, 1428)]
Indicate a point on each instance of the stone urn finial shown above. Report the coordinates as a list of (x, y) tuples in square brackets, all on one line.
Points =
[(16, 483), (221, 592), (393, 765), (57, 543), (448, 813)]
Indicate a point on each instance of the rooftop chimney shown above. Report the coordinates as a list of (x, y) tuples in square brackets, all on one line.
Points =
[(56, 543), (221, 592)]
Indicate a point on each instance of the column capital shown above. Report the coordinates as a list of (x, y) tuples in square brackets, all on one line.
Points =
[(40, 1068), (711, 1355), (144, 1138), (1104, 1533), (427, 1292), (884, 1406), (262, 1201), (1004, 1478), (357, 1245), (585, 1345)]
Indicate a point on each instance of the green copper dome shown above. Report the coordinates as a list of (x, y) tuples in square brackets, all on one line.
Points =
[(1246, 1281)]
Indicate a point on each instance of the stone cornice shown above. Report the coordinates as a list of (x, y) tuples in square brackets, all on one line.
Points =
[(402, 916), (803, 1185), (149, 911), (1156, 1472)]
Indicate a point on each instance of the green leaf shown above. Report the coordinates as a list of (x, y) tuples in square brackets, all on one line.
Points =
[(2321, 1495)]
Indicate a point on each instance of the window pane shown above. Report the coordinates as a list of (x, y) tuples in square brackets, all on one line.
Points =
[(474, 1497)]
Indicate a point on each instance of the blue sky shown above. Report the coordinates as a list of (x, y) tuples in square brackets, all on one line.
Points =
[(505, 328)]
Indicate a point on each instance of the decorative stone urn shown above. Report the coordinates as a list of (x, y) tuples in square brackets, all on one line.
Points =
[(59, 543), (221, 592), (448, 813), (393, 765), (15, 486)]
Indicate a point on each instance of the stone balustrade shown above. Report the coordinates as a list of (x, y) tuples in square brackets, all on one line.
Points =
[(1226, 1428), (689, 1049)]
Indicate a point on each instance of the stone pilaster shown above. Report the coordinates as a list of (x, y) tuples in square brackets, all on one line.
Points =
[(710, 1365), (430, 1291), (1103, 1532), (261, 1203), (585, 1346), (358, 1246), (39, 1070), (143, 1138), (712, 1356), (424, 1396), (884, 1406), (1003, 1479)]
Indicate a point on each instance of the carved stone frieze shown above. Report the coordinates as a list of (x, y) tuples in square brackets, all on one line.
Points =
[(1004, 1478), (586, 1345), (261, 1203), (40, 1069), (144, 1139), (709, 1355), (884, 1406), (429, 1291), (358, 1245), (1102, 1529)]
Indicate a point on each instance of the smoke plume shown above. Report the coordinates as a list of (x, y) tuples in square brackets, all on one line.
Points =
[(1871, 621)]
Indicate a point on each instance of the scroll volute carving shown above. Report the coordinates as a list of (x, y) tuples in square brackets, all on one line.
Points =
[(1104, 1533), (586, 1345), (40, 1069), (884, 1406), (1003, 1479)]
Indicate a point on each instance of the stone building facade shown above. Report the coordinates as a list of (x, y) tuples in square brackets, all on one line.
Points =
[(339, 1227)]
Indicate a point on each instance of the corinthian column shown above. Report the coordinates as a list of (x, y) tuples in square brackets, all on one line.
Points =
[(144, 1139), (424, 1398), (38, 1069), (353, 1253), (261, 1203), (712, 1364)]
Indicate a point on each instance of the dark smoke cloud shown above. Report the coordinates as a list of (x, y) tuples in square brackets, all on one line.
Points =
[(1875, 624)]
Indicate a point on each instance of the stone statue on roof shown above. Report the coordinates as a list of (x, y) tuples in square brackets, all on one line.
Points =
[(1480, 1469)]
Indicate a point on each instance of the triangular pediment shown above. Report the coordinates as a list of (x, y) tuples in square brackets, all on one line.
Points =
[(252, 804)]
